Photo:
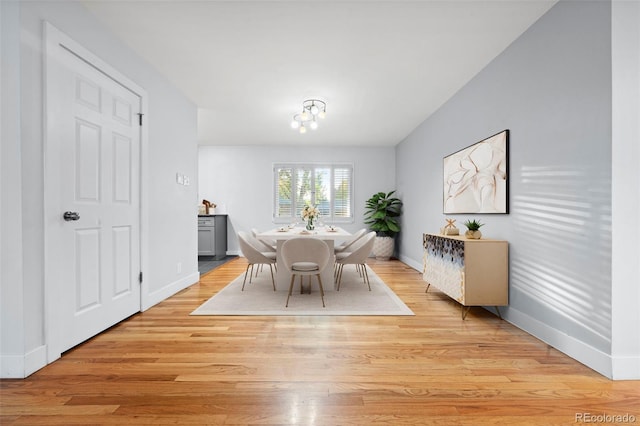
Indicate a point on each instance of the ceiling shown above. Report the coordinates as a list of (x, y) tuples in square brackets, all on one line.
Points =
[(382, 67)]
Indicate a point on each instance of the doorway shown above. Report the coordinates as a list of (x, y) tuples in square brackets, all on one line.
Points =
[(93, 148)]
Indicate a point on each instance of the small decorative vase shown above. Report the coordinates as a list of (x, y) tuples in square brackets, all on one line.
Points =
[(310, 225), (473, 235)]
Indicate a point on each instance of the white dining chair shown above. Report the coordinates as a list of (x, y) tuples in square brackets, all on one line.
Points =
[(305, 257), (358, 255), (263, 245), (355, 237), (255, 257), (269, 245)]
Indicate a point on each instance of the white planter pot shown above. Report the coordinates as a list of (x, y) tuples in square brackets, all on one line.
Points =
[(383, 248)]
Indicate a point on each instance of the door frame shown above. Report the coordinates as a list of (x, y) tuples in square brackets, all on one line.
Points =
[(53, 40)]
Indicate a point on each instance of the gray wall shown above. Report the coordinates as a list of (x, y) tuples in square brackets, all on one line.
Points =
[(240, 179), (552, 89), (169, 224)]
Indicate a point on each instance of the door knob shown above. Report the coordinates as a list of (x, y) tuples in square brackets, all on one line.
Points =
[(69, 216)]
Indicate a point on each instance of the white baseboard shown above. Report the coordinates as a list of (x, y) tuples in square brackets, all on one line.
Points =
[(625, 368), (576, 349), (415, 265), (169, 290), (616, 368), (21, 366), (35, 360), (12, 367)]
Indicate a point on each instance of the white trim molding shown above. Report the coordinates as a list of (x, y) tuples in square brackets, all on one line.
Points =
[(169, 290), (21, 366)]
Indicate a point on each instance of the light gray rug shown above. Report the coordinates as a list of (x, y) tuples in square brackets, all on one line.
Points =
[(258, 298)]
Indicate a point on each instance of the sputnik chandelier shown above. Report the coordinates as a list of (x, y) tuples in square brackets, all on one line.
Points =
[(312, 110)]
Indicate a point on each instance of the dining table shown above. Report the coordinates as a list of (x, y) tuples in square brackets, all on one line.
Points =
[(329, 234)]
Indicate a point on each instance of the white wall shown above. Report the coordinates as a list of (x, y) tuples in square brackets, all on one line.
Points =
[(169, 222), (626, 190), (11, 289), (240, 179), (552, 89)]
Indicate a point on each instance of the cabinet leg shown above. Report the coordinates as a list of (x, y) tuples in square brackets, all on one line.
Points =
[(465, 311), (498, 311)]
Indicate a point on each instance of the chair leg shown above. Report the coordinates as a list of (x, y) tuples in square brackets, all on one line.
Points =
[(293, 277), (366, 275), (272, 280), (321, 290), (340, 267), (251, 274), (245, 276)]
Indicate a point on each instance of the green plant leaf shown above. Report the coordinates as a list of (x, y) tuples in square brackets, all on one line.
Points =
[(381, 213)]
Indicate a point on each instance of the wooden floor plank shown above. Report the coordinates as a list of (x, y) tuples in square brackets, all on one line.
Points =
[(164, 366)]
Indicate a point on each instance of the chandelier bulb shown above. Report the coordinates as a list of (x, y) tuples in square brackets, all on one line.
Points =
[(312, 110)]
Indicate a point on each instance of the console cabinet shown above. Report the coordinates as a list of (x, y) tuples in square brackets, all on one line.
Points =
[(472, 272)]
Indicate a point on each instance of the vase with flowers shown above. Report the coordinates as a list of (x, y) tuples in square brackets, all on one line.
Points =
[(310, 214)]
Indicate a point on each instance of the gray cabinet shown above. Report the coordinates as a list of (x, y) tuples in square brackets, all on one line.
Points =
[(212, 235)]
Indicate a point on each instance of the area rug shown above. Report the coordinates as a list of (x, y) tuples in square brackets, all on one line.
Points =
[(258, 298)]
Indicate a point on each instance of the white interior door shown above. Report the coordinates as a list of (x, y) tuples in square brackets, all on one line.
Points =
[(92, 168)]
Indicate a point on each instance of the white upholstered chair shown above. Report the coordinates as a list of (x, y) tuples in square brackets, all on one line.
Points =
[(357, 255), (305, 257), (355, 237), (268, 245), (264, 246), (255, 256)]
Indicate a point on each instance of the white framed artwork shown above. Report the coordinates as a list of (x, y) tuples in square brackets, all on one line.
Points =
[(476, 178)]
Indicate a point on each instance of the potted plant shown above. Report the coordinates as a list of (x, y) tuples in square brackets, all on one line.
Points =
[(473, 229), (382, 214)]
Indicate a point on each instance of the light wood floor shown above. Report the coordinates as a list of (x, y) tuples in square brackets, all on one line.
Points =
[(166, 367)]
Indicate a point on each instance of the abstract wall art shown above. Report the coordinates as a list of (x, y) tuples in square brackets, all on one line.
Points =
[(476, 177)]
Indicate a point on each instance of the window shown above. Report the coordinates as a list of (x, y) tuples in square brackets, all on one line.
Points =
[(328, 187)]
